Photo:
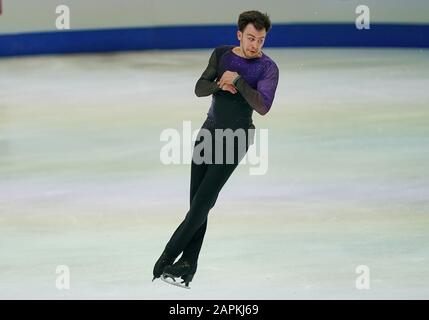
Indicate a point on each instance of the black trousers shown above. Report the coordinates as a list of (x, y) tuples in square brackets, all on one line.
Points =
[(207, 180)]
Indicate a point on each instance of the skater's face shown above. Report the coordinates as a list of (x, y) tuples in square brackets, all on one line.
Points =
[(251, 41)]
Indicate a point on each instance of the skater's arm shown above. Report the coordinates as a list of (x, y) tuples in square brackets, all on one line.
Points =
[(205, 85), (262, 98)]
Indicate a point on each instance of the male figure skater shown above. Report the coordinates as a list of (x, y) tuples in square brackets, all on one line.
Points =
[(240, 79)]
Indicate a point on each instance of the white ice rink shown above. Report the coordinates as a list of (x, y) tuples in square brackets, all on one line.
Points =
[(82, 184)]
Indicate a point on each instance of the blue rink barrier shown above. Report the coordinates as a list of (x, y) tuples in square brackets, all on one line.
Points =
[(187, 37)]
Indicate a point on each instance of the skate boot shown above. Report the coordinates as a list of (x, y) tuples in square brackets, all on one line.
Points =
[(163, 261), (183, 269)]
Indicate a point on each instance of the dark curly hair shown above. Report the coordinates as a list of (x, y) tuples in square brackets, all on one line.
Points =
[(258, 19)]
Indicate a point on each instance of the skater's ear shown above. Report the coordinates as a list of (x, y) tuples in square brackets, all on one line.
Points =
[(239, 35)]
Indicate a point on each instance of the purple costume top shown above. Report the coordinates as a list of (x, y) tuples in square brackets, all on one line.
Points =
[(256, 86)]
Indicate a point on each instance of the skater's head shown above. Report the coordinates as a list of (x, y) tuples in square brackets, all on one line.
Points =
[(253, 27)]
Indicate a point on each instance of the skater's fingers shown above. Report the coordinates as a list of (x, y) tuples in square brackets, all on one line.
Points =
[(232, 89), (228, 87)]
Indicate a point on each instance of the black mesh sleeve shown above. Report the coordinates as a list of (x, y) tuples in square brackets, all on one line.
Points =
[(205, 85)]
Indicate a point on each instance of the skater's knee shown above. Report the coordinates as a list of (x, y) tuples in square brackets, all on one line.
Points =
[(203, 203), (200, 205)]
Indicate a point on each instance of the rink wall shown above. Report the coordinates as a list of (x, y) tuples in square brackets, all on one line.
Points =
[(114, 25)]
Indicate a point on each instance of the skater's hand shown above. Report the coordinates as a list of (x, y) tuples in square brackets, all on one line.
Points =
[(227, 78), (230, 88)]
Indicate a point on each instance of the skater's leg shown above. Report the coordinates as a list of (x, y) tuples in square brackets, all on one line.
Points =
[(198, 171), (213, 181), (194, 225), (192, 250), (215, 177), (197, 174)]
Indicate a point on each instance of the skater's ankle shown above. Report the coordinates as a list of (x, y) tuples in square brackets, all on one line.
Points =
[(190, 260)]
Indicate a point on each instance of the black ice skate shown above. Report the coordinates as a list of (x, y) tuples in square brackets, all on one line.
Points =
[(183, 269), (163, 261)]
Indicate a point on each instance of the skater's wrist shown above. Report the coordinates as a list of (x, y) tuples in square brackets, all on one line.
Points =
[(234, 82)]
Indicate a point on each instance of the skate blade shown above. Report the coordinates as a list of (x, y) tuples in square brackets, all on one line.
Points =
[(171, 280)]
